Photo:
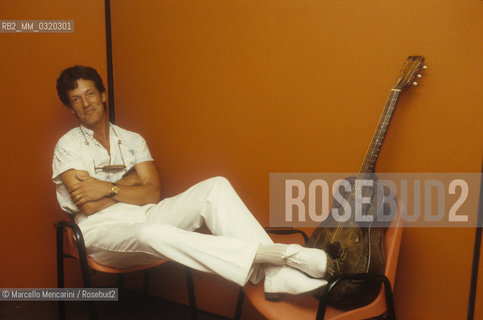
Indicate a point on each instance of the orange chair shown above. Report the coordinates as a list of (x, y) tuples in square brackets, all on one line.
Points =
[(308, 307), (70, 244)]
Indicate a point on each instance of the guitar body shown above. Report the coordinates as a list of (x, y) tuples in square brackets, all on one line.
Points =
[(356, 244), (354, 248)]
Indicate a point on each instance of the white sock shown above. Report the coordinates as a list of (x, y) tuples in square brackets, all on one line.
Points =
[(271, 254)]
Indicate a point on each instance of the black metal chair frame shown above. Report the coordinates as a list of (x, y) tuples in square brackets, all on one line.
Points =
[(390, 313), (61, 227), (86, 276)]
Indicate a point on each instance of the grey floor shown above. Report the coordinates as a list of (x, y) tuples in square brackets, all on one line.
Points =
[(131, 305)]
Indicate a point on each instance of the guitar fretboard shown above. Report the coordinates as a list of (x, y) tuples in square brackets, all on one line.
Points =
[(372, 154)]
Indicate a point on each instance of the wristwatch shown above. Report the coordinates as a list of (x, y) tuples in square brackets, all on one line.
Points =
[(114, 189)]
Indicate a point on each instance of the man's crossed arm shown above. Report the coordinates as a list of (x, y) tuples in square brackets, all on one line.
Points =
[(91, 195)]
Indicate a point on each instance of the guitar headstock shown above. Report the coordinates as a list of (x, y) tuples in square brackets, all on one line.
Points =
[(410, 72)]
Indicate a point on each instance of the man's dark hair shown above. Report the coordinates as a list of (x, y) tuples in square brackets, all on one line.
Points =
[(68, 81)]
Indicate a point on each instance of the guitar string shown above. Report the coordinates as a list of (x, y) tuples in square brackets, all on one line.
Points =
[(405, 79), (383, 122), (376, 144)]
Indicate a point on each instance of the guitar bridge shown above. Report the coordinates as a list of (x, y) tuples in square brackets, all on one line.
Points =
[(334, 250)]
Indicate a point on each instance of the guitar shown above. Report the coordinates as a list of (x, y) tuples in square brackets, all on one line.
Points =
[(354, 246)]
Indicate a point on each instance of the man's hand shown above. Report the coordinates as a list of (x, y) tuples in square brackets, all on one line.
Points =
[(91, 195), (88, 189), (76, 182)]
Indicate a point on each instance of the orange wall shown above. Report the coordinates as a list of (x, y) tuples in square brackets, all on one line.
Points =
[(245, 88), (242, 89), (32, 120)]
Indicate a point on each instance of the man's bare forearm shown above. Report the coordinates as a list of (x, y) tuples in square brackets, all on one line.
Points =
[(91, 207), (85, 202), (91, 195), (131, 179), (138, 195), (146, 191)]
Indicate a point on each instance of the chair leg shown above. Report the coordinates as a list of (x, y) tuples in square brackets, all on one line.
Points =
[(86, 279), (239, 304), (120, 280), (92, 310), (60, 256), (191, 293), (60, 267), (86, 276), (147, 277)]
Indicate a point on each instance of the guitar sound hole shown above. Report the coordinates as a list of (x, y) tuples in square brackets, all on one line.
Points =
[(334, 250)]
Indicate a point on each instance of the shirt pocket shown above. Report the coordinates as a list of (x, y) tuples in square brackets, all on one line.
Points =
[(128, 155)]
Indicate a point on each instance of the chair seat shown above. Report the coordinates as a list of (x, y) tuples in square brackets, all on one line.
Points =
[(102, 268), (304, 307), (70, 244)]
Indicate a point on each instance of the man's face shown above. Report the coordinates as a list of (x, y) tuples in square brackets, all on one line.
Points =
[(87, 103)]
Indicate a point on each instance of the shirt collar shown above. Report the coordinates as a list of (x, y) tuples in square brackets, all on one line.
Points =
[(90, 132), (87, 131)]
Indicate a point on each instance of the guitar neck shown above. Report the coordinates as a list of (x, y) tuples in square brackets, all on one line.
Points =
[(369, 164)]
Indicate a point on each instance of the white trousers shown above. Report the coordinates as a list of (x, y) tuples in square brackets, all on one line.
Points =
[(125, 235)]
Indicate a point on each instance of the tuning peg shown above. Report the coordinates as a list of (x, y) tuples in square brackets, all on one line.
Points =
[(425, 67), (415, 83), (419, 76)]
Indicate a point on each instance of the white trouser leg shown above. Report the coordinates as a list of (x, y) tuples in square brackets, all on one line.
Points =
[(215, 202), (164, 231)]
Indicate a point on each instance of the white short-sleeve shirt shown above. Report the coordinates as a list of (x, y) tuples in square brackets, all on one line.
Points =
[(78, 150)]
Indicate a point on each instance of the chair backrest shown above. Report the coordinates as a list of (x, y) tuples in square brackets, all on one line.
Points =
[(392, 243), (69, 244)]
